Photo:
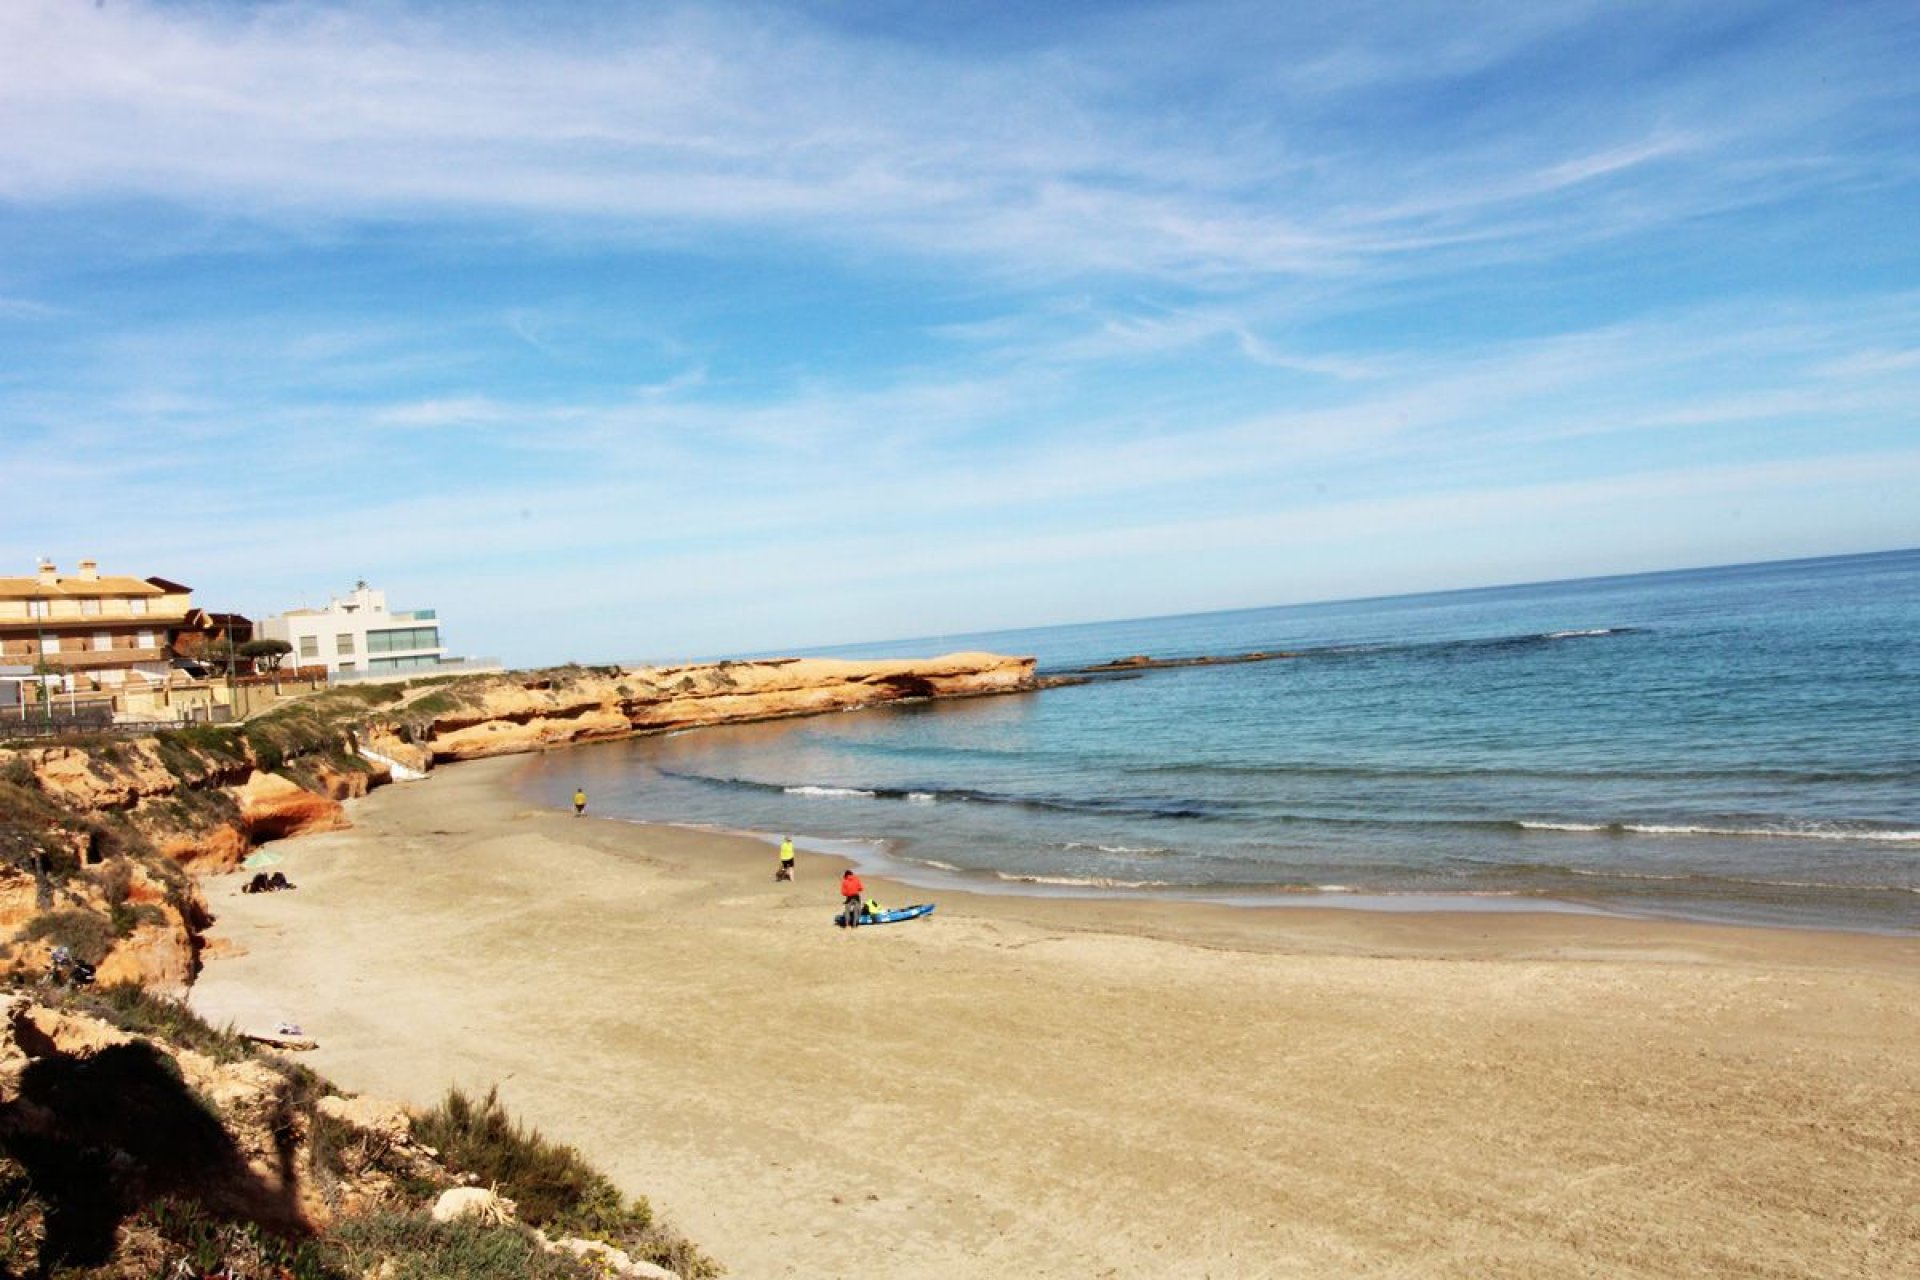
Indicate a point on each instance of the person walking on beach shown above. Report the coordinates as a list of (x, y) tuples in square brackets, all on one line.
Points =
[(579, 802), (786, 859), (851, 892)]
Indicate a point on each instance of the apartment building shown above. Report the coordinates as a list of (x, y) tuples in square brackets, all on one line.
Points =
[(89, 632), (358, 633)]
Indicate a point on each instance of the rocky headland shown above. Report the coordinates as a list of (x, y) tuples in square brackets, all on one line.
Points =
[(98, 835)]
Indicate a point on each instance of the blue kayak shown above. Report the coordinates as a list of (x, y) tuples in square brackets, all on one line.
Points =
[(897, 914)]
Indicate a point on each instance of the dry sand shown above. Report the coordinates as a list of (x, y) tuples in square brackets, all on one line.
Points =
[(1031, 1088)]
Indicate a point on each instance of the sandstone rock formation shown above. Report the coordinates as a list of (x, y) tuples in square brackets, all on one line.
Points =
[(205, 798), (508, 714)]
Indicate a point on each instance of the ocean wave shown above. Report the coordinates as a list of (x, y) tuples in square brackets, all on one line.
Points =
[(1704, 880), (1137, 851), (1361, 772), (1879, 835), (1082, 882), (1107, 806)]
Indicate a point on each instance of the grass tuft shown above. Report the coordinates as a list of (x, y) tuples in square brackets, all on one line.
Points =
[(552, 1186), (412, 1246)]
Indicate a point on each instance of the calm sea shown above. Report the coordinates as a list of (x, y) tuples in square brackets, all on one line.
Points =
[(1732, 744)]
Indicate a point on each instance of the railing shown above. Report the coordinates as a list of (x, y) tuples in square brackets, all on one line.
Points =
[(36, 723), (457, 667)]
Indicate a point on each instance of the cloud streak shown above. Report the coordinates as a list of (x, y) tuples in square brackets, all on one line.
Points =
[(810, 308)]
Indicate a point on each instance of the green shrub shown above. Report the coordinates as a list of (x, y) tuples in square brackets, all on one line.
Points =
[(195, 1242), (87, 934), (545, 1179), (115, 879), (197, 750), (134, 1009), (436, 704), (552, 1186), (125, 917), (422, 1249)]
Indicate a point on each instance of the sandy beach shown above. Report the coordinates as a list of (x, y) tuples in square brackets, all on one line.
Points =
[(1044, 1088)]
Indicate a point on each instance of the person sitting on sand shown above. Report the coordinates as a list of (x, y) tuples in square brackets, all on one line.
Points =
[(786, 859), (579, 802), (851, 892)]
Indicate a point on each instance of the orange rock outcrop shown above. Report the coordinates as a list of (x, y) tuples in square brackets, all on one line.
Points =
[(511, 714), (206, 807)]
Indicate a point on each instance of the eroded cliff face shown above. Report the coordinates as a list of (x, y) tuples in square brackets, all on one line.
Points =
[(204, 800), (508, 714)]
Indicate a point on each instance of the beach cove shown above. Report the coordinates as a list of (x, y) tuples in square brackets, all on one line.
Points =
[(1034, 1087)]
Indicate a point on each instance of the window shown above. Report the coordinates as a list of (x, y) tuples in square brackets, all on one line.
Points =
[(50, 645), (400, 639), (417, 662), (309, 646), (36, 608), (343, 643), (137, 605), (145, 640), (90, 607), (102, 641), (346, 666)]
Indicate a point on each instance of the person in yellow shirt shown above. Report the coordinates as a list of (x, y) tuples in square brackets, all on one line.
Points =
[(786, 859), (579, 802)]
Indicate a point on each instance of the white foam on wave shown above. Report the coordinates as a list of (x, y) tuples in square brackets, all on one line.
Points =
[(1575, 635), (1773, 833), (921, 797), (1080, 882), (826, 791), (1141, 851)]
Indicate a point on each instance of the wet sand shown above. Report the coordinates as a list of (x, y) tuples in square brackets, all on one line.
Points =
[(1044, 1088)]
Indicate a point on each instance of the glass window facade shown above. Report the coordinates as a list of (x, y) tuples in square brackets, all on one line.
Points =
[(400, 639), (418, 662)]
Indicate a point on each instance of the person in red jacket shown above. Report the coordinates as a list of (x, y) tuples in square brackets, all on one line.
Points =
[(851, 892)]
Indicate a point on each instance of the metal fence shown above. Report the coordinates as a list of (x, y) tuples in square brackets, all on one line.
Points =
[(35, 722)]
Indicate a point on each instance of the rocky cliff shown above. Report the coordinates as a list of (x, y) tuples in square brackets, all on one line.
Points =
[(96, 835), (506, 714)]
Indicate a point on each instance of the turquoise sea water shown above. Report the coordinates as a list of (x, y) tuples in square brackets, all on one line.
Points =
[(1736, 744)]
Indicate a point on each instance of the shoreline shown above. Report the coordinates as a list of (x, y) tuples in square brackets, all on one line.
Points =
[(1070, 1087), (863, 853), (900, 843)]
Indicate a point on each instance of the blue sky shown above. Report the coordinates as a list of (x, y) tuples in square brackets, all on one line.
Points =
[(655, 330)]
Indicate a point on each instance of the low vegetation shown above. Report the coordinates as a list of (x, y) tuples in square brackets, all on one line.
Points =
[(552, 1185), (142, 1176), (111, 1166)]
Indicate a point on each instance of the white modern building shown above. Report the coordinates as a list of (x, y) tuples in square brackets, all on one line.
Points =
[(358, 635)]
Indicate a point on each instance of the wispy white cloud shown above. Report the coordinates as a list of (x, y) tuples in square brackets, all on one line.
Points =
[(743, 304), (674, 116)]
